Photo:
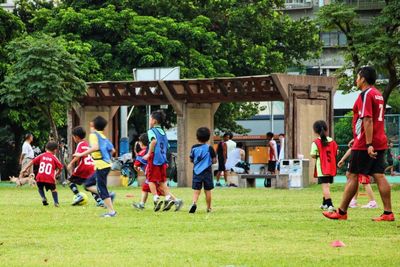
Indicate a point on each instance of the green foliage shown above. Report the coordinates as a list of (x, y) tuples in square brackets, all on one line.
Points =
[(43, 77)]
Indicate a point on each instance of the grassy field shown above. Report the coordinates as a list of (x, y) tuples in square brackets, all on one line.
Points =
[(249, 227)]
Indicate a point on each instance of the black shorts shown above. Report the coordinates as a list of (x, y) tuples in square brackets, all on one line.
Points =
[(362, 163), (325, 180), (221, 165), (91, 181), (271, 166), (203, 180), (48, 186), (390, 162)]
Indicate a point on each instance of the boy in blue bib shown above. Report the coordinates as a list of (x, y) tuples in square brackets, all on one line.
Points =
[(202, 156)]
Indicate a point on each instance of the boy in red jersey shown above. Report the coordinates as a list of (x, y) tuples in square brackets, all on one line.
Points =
[(49, 168), (83, 174), (368, 146)]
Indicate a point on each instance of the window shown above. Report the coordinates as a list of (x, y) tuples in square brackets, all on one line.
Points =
[(333, 39)]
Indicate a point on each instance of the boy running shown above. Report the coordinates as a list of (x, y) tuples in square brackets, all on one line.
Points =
[(203, 156), (49, 168), (101, 149), (83, 174), (156, 158)]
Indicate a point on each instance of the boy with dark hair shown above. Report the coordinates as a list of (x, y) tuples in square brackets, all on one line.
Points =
[(203, 156), (140, 165), (49, 168), (156, 158), (101, 149), (83, 174)]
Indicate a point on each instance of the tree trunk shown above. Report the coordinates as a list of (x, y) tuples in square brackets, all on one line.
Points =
[(393, 80), (53, 126)]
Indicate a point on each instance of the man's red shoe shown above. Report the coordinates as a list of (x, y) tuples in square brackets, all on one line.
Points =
[(334, 215), (384, 217)]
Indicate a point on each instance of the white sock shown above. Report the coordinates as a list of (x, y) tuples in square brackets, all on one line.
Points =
[(167, 197), (155, 197)]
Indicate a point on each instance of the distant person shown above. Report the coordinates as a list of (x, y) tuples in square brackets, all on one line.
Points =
[(234, 157), (202, 156), (389, 158), (230, 144), (365, 180), (273, 153), (324, 151), (222, 155), (368, 146), (281, 150), (49, 168), (27, 154)]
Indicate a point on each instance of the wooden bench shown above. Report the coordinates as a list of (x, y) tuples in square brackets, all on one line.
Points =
[(277, 181)]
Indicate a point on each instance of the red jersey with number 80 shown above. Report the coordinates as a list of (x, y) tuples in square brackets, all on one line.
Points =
[(48, 164), (85, 167), (369, 104)]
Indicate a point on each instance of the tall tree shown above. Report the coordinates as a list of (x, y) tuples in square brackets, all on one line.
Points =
[(43, 76)]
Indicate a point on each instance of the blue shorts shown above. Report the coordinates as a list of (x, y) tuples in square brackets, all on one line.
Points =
[(203, 180), (101, 181)]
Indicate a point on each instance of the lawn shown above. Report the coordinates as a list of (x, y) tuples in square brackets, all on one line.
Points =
[(249, 227)]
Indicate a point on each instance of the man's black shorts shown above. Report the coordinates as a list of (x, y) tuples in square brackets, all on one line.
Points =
[(271, 166), (48, 186), (325, 180), (91, 181), (221, 165), (362, 163), (203, 180)]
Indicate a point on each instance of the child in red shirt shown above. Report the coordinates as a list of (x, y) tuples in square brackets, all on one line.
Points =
[(49, 168)]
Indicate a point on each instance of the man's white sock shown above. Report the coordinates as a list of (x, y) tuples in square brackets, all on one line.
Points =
[(155, 197)]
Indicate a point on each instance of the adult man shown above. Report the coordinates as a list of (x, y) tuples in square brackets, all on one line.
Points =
[(222, 156), (230, 144), (27, 153), (368, 146), (273, 153)]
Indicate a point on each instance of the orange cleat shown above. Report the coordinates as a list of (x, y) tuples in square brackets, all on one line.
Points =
[(334, 215), (384, 217)]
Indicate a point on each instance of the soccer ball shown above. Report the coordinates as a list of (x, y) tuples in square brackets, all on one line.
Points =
[(84, 199)]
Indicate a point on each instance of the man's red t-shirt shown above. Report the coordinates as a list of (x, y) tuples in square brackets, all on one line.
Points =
[(85, 168), (48, 163), (369, 104)]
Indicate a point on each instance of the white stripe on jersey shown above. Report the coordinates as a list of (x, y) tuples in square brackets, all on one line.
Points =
[(364, 100)]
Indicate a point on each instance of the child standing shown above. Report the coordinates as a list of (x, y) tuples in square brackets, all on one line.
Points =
[(49, 168), (101, 149), (83, 174), (324, 150), (365, 181), (156, 158), (203, 156)]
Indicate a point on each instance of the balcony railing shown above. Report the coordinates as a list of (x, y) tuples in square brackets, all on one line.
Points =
[(292, 6), (367, 4)]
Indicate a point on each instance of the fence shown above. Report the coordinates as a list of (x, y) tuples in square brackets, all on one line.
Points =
[(343, 134)]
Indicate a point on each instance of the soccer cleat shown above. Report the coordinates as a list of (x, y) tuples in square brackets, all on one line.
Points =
[(168, 204), (193, 208), (45, 203), (353, 204), (324, 207), (109, 214), (157, 205), (178, 204), (100, 204), (371, 205), (78, 199), (232, 185), (385, 217), (209, 210), (138, 206), (218, 184), (112, 196), (334, 215), (331, 209)]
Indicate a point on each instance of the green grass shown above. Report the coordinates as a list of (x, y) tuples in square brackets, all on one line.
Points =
[(249, 227)]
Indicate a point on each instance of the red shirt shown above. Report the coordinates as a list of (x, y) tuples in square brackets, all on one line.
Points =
[(327, 156), (85, 168), (369, 104), (48, 163)]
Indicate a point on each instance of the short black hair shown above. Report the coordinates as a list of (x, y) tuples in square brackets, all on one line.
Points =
[(226, 135), (203, 134), (368, 73), (230, 135), (282, 134), (239, 145), (159, 116), (51, 146), (28, 135), (99, 123), (79, 131), (144, 139), (270, 134)]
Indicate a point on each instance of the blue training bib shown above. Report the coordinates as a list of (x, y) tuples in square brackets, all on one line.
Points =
[(160, 150)]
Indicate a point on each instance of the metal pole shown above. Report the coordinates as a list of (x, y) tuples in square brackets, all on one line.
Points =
[(272, 116)]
